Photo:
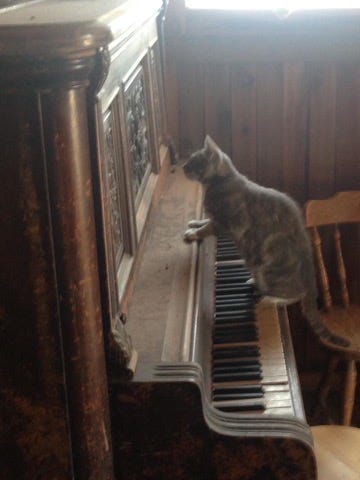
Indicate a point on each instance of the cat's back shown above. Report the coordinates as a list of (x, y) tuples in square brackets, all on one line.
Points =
[(273, 203)]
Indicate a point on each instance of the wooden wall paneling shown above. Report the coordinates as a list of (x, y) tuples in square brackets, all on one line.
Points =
[(191, 107), (347, 160), (269, 107), (295, 140), (217, 104), (321, 181), (347, 138), (243, 118)]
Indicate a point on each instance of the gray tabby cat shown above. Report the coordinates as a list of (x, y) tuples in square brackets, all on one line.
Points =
[(267, 227)]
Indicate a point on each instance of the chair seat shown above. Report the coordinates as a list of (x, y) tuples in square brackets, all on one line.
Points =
[(344, 322), (337, 452)]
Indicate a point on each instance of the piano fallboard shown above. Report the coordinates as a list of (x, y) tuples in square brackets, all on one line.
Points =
[(185, 416)]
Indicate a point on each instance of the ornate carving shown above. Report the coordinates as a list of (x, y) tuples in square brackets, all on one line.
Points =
[(101, 69), (137, 125), (154, 66), (120, 342), (113, 185)]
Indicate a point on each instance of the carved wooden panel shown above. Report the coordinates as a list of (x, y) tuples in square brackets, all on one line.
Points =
[(137, 125), (118, 231), (113, 184), (155, 96), (157, 93)]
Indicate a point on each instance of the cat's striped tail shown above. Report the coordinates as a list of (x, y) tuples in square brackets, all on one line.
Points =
[(310, 311)]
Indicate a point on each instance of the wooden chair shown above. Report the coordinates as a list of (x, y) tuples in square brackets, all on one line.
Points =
[(337, 452), (342, 208)]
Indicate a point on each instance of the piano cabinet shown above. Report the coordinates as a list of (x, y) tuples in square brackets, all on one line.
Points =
[(82, 146), (162, 433)]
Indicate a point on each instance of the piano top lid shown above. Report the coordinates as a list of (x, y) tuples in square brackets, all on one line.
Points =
[(59, 28)]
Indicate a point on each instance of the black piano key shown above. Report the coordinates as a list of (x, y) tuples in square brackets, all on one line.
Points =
[(236, 362), (235, 322), (233, 364), (243, 314), (227, 255), (227, 329), (236, 309), (237, 395), (235, 337), (231, 295), (232, 352), (234, 273), (245, 337), (232, 313), (236, 289), (218, 370), (235, 330), (254, 374), (257, 406), (229, 325), (238, 334), (226, 302)]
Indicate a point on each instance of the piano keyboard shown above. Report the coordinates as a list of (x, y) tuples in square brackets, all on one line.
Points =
[(248, 365)]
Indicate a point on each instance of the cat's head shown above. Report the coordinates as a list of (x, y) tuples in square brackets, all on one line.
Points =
[(207, 163)]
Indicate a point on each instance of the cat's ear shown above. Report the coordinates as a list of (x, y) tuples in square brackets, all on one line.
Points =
[(211, 147)]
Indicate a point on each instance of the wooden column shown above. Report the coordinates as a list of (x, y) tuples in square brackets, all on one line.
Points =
[(63, 112)]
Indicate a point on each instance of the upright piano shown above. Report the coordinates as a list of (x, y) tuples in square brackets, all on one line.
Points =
[(215, 392), (127, 354)]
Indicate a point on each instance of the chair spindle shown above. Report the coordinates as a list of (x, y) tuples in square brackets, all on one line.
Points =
[(341, 267), (324, 280)]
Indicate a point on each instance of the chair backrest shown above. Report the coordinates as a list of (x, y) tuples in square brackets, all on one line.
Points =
[(343, 207)]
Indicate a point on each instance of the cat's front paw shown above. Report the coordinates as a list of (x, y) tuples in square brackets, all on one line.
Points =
[(197, 223), (190, 235)]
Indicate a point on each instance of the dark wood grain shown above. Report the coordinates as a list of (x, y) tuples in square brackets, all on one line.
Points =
[(72, 212), (244, 116), (322, 130), (295, 140), (191, 113), (217, 104), (33, 416), (269, 108), (188, 449), (347, 128)]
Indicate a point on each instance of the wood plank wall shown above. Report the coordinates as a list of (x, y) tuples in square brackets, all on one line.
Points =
[(292, 125), (284, 104)]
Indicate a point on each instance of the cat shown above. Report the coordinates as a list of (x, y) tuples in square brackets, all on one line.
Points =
[(267, 228)]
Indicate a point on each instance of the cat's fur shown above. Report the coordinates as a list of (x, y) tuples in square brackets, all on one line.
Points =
[(267, 227)]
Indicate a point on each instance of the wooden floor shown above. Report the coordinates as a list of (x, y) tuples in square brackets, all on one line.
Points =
[(337, 452)]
